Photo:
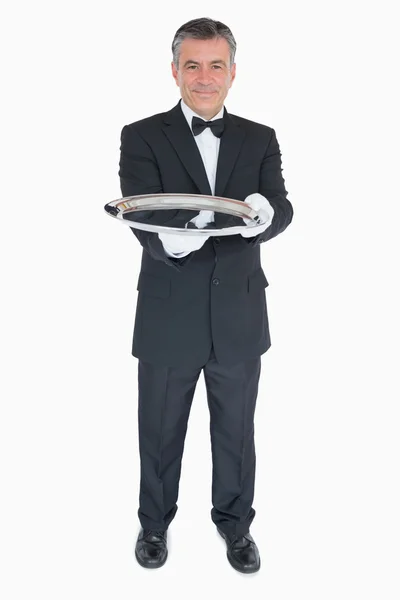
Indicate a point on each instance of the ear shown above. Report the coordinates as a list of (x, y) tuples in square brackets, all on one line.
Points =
[(233, 72), (174, 73)]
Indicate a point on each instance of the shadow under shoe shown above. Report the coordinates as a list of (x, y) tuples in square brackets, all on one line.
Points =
[(242, 552), (151, 548)]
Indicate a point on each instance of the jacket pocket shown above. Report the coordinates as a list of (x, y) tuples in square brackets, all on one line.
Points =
[(154, 286), (257, 280)]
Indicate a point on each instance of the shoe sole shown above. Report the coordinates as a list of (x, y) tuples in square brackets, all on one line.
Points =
[(149, 565), (244, 571)]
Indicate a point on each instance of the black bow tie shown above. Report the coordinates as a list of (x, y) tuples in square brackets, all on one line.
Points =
[(199, 125)]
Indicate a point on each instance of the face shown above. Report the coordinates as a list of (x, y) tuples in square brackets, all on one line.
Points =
[(204, 75)]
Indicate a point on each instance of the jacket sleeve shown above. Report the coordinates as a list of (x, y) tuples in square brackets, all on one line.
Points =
[(139, 174), (272, 186)]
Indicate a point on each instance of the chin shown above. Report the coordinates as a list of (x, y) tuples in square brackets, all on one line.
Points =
[(206, 102)]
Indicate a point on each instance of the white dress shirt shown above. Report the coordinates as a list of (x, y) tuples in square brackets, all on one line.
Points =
[(208, 145)]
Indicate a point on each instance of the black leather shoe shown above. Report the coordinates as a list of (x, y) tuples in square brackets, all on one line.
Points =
[(242, 552), (151, 548)]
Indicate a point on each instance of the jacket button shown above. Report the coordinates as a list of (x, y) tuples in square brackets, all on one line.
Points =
[(215, 281), (216, 240)]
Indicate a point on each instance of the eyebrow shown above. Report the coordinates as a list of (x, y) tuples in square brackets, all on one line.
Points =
[(213, 62)]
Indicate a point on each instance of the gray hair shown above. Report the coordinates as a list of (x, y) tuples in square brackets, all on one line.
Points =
[(202, 29)]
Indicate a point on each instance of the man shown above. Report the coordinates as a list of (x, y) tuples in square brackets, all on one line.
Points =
[(201, 302)]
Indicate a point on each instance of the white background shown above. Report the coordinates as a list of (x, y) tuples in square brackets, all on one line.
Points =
[(323, 75)]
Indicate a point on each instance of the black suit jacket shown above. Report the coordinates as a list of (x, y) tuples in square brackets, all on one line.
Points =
[(216, 294)]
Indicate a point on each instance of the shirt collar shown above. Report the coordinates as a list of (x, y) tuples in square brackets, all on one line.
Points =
[(189, 114)]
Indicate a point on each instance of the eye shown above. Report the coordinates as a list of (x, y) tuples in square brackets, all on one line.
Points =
[(191, 67)]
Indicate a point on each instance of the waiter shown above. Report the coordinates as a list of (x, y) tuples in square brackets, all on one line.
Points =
[(202, 302)]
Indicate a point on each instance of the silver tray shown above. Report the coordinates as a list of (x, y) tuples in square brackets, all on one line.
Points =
[(143, 206)]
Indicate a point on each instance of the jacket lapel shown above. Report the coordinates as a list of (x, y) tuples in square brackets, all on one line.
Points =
[(229, 148), (179, 134), (230, 145)]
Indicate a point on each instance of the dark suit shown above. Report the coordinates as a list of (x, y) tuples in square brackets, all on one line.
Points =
[(208, 308)]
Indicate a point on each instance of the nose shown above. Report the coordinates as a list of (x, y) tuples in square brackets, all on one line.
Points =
[(204, 75)]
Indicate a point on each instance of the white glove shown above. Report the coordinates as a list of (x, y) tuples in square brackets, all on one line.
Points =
[(180, 245), (203, 218), (265, 211)]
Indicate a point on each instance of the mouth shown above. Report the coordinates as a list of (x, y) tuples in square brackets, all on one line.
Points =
[(204, 93)]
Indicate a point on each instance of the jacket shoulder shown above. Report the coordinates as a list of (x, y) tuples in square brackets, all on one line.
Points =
[(154, 121), (252, 126)]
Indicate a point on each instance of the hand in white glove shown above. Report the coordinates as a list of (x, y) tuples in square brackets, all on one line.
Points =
[(265, 211), (203, 218), (181, 244)]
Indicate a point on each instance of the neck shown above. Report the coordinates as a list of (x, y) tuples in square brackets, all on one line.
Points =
[(204, 114)]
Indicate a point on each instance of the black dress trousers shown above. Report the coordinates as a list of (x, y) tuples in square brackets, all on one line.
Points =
[(165, 399)]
